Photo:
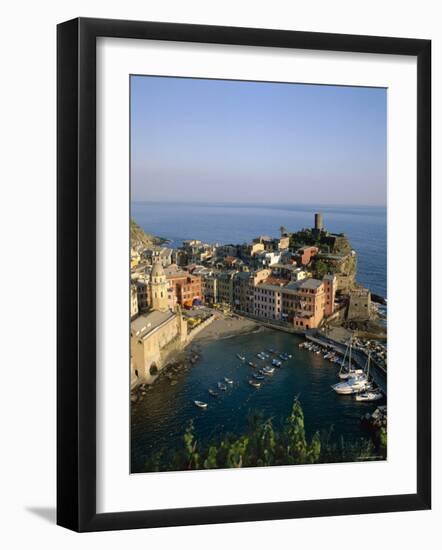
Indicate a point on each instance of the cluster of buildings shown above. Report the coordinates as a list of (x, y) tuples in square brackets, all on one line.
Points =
[(267, 279)]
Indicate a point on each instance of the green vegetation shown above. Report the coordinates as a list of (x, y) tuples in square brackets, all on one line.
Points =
[(321, 268), (263, 445), (138, 237)]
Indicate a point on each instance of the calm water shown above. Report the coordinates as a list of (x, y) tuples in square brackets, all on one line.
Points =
[(159, 420), (366, 228)]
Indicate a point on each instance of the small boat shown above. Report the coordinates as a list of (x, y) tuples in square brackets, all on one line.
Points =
[(258, 376), (213, 393), (253, 365), (345, 375), (373, 395), (240, 357), (222, 386), (267, 371), (228, 380), (352, 385), (260, 356), (201, 404), (255, 383)]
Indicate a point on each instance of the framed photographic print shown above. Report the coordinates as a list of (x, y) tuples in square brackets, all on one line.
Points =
[(243, 274)]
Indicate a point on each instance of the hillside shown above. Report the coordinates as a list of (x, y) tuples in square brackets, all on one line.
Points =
[(140, 239)]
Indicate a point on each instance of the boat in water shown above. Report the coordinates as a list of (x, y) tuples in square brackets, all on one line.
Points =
[(267, 371), (352, 385), (255, 383), (228, 380), (258, 376), (348, 370), (372, 395), (346, 375), (213, 393), (355, 384), (201, 404), (253, 365), (240, 357), (222, 386)]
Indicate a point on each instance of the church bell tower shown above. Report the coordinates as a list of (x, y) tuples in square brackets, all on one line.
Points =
[(158, 286)]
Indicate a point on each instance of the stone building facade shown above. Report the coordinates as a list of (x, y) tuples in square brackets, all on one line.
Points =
[(359, 304), (153, 337)]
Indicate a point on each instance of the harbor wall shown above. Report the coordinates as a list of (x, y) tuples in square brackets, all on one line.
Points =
[(378, 373), (193, 333)]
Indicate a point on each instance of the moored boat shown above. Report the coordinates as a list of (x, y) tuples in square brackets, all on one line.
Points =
[(267, 371), (373, 395), (228, 380), (345, 375), (352, 385), (222, 386), (201, 404), (240, 357), (213, 393), (255, 383)]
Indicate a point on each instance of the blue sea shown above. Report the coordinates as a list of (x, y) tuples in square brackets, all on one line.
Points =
[(366, 227), (159, 420)]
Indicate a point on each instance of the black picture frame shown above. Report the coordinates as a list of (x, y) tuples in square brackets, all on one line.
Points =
[(76, 274)]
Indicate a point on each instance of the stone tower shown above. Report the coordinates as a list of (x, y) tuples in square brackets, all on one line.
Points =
[(158, 285), (319, 223)]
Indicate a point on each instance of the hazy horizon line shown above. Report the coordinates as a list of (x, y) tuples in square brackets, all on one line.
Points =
[(265, 203)]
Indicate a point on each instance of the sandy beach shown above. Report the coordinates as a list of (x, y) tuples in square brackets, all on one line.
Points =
[(224, 326)]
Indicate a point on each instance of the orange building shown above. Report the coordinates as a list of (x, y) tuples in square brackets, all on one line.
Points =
[(313, 301), (186, 287), (306, 254)]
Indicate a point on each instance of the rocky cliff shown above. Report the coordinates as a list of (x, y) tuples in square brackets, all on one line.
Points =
[(139, 239)]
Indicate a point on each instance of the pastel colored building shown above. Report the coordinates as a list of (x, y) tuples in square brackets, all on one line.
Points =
[(244, 284), (134, 258), (306, 253), (133, 301), (186, 287), (331, 285), (267, 303)]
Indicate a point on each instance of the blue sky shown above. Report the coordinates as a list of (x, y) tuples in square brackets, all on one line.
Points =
[(232, 141)]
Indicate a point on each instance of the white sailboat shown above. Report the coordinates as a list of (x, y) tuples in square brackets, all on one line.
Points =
[(355, 384), (352, 385), (345, 373)]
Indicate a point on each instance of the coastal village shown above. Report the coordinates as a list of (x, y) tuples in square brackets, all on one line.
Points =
[(301, 282)]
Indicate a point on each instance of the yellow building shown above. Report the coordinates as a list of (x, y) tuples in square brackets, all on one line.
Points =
[(255, 248), (133, 301), (134, 258), (154, 337)]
